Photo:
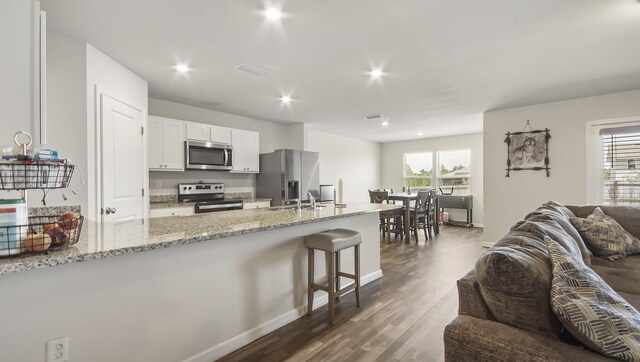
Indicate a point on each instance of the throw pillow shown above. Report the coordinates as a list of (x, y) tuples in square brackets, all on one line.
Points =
[(592, 311), (605, 236)]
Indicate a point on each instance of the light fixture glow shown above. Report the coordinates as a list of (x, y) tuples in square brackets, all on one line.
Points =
[(182, 68), (273, 14), (285, 99), (384, 123), (420, 133), (376, 73)]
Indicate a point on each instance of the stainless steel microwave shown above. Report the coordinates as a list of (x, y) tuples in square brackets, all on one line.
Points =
[(208, 156)]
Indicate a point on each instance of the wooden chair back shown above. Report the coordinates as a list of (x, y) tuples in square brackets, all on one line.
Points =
[(378, 197), (422, 201)]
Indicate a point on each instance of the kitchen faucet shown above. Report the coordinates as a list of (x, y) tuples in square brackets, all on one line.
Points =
[(312, 199)]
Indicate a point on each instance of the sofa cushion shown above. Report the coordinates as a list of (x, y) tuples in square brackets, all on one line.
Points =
[(605, 236), (626, 216), (623, 276), (561, 215), (629, 263), (515, 282), (592, 311)]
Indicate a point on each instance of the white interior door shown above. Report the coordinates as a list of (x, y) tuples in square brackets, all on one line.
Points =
[(122, 160)]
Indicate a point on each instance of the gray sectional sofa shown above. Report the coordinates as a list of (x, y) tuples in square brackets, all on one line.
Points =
[(504, 303)]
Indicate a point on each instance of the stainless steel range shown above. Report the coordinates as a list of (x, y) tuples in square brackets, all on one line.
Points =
[(208, 197)]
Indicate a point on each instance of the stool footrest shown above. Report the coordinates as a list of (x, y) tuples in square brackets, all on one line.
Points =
[(346, 275), (345, 289), (320, 287)]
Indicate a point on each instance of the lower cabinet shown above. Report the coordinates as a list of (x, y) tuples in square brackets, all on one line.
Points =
[(172, 211), (256, 204)]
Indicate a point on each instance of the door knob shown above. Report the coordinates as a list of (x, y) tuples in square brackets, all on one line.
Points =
[(110, 210)]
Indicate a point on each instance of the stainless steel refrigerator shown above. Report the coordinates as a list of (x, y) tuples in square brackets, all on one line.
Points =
[(288, 175)]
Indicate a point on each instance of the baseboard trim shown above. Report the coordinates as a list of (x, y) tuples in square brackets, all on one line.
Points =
[(241, 340)]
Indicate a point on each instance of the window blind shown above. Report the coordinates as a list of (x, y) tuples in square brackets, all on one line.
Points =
[(621, 166)]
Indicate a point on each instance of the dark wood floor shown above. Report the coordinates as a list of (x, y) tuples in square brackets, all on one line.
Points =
[(402, 314)]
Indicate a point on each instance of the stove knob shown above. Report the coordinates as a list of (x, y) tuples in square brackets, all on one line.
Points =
[(189, 187), (184, 188)]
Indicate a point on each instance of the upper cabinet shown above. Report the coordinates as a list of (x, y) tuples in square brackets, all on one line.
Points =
[(220, 135), (208, 133), (246, 151), (198, 132), (165, 144)]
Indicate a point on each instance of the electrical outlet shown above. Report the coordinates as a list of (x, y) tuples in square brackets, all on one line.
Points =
[(58, 350)]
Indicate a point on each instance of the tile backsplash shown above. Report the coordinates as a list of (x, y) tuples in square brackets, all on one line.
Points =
[(166, 183)]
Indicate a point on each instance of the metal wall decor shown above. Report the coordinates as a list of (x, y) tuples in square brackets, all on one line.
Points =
[(528, 150)]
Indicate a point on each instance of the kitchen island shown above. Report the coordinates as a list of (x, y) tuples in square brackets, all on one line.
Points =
[(175, 288)]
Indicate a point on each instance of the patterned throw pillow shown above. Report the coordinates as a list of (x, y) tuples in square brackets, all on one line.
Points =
[(593, 312), (605, 237)]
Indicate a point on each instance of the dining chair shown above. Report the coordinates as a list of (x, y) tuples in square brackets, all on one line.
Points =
[(390, 191), (419, 218), (390, 221), (422, 215)]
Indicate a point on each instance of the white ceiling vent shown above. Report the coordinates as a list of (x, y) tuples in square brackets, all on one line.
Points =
[(251, 69), (373, 117)]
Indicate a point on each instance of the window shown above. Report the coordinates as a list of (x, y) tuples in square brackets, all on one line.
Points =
[(454, 171), (620, 178), (631, 164), (418, 169)]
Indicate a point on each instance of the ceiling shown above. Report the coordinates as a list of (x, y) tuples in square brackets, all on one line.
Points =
[(445, 61)]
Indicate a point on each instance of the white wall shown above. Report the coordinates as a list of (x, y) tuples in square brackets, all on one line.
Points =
[(510, 199), (67, 113), (354, 160), (16, 68), (392, 165)]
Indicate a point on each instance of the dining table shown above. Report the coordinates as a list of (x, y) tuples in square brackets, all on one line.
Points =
[(406, 199)]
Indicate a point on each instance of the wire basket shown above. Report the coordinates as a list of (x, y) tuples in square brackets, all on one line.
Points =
[(21, 175), (41, 235)]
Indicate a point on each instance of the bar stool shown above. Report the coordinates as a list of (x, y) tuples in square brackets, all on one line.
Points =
[(332, 242)]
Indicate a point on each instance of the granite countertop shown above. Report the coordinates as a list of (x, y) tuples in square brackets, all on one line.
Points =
[(118, 238)]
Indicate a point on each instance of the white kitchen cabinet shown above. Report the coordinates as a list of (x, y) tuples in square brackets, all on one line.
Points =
[(154, 143), (256, 204), (198, 131), (220, 134), (172, 211), (165, 144), (246, 151)]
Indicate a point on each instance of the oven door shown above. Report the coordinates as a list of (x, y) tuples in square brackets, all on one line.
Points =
[(202, 207), (207, 156)]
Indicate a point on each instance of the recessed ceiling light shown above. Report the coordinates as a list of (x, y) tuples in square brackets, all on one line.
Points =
[(384, 123), (182, 68), (273, 14), (376, 73), (285, 99), (420, 133)]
